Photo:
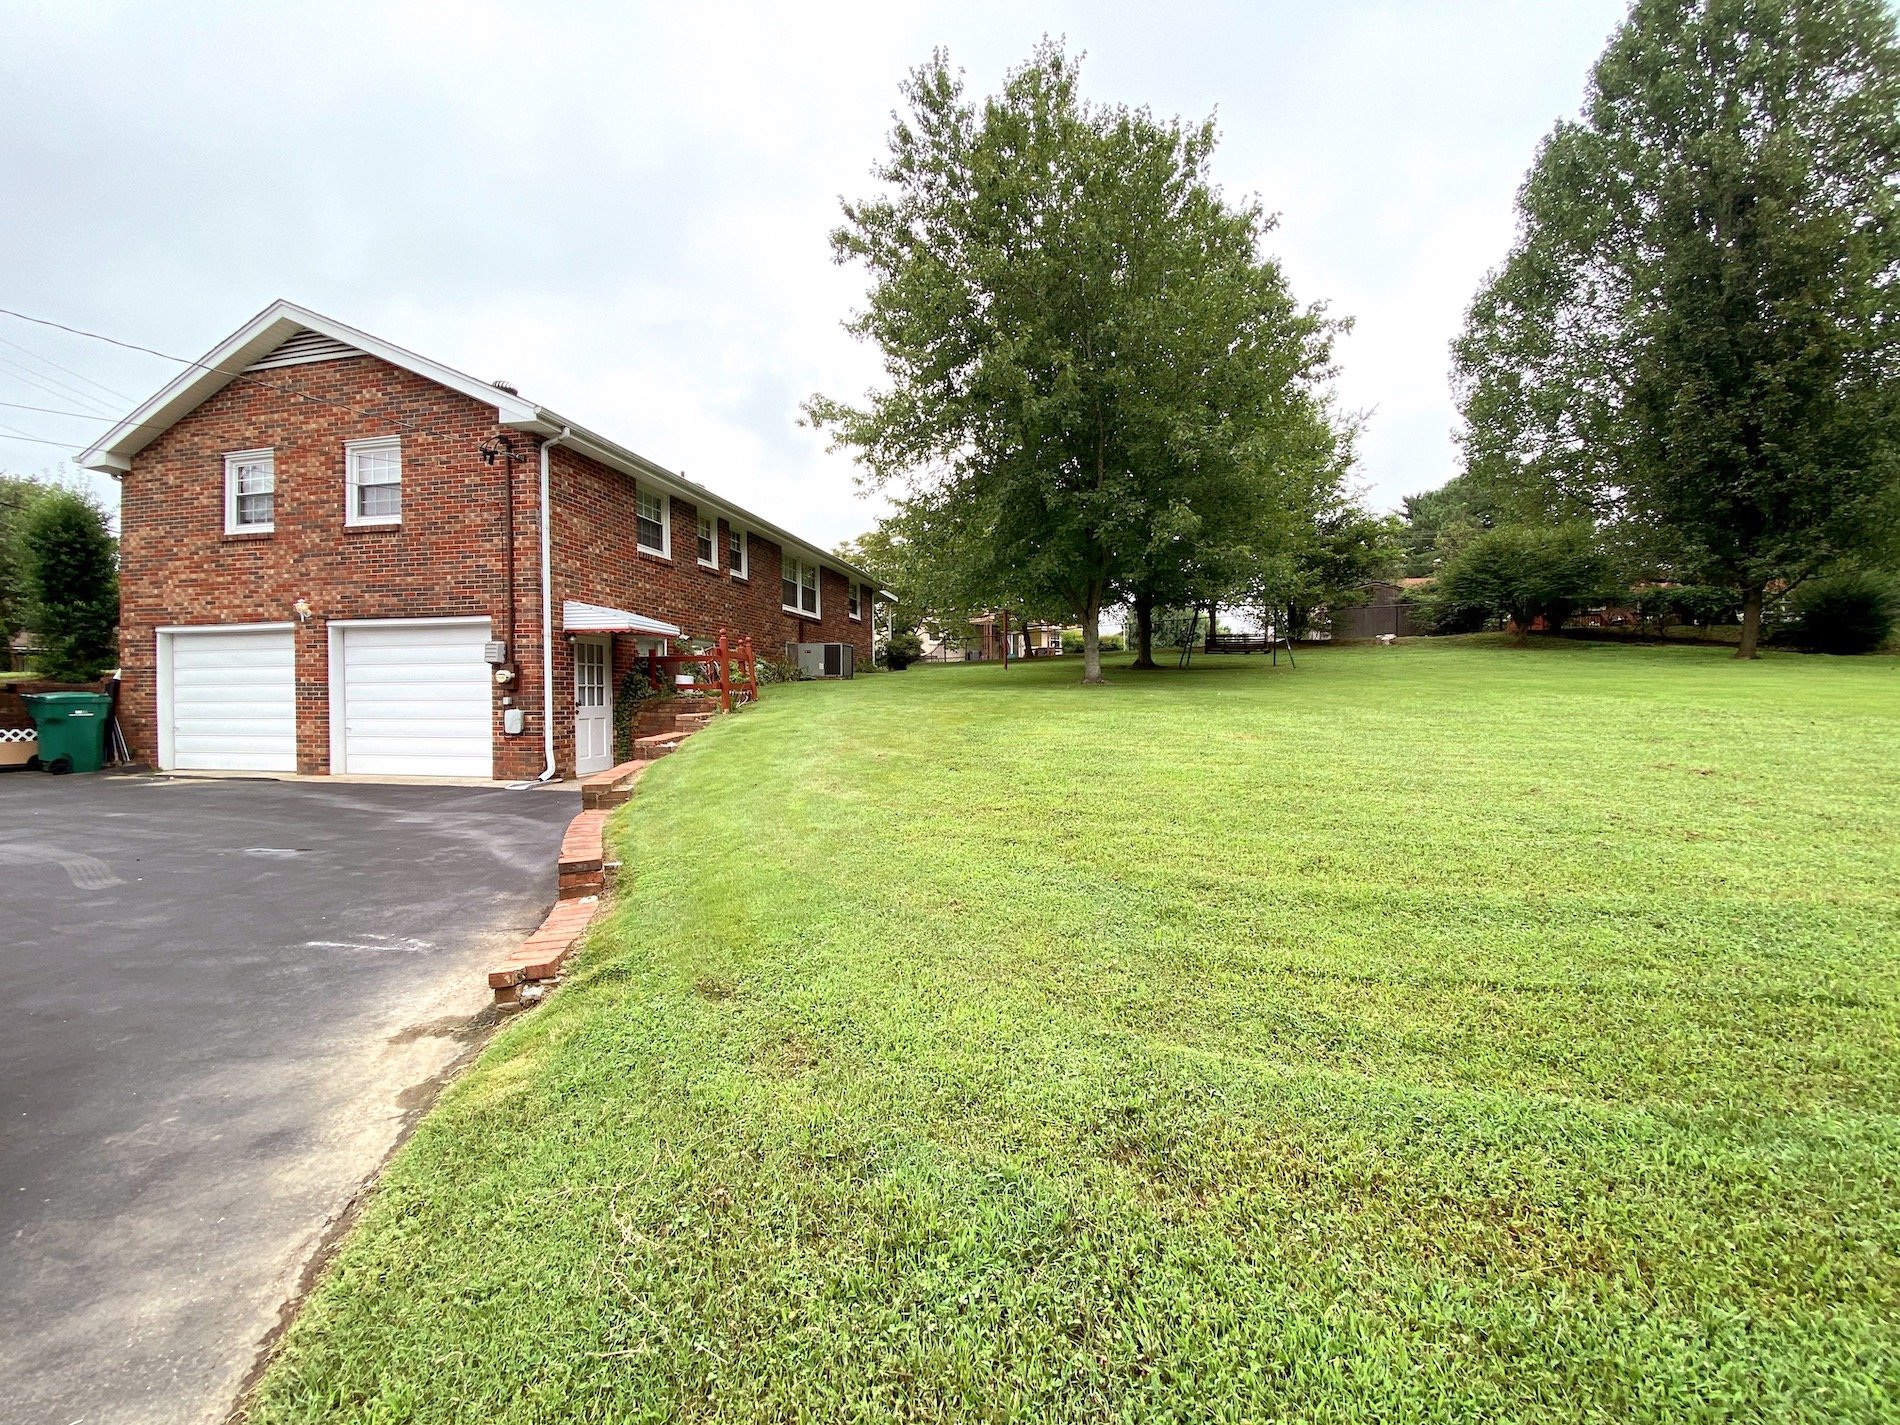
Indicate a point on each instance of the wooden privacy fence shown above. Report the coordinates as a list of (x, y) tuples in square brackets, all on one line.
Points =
[(685, 673), (1373, 621)]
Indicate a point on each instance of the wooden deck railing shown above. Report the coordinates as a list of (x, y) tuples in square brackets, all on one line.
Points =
[(734, 672)]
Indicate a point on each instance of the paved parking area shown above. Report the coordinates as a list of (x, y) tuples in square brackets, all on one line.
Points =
[(225, 999)]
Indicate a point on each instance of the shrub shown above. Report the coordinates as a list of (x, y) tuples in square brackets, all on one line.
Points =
[(72, 584), (779, 670), (901, 650), (1523, 574), (1850, 612), (1434, 614), (634, 689)]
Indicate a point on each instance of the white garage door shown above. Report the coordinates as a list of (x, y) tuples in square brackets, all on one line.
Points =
[(413, 699), (231, 700)]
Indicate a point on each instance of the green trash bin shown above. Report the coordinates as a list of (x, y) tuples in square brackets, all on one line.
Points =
[(72, 728)]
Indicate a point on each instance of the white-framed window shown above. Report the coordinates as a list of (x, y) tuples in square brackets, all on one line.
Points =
[(798, 586), (250, 492), (853, 598), (651, 521), (735, 553), (708, 542), (373, 481)]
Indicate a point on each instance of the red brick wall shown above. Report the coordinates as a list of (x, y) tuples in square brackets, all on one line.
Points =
[(597, 559), (446, 559)]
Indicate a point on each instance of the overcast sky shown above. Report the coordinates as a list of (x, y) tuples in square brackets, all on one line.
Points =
[(623, 209)]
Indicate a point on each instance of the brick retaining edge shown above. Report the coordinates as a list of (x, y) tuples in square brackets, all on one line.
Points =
[(583, 878)]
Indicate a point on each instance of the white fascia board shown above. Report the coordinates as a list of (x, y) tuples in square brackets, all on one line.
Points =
[(262, 334)]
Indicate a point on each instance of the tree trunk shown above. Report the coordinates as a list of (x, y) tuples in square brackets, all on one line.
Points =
[(1751, 623), (1144, 631), (1092, 638)]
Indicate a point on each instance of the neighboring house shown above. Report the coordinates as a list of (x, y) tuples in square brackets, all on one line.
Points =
[(20, 651), (1033, 640), (333, 559)]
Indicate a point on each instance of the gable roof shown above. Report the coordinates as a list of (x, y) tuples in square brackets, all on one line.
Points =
[(285, 334)]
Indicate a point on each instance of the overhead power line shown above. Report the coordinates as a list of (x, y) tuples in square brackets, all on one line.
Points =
[(202, 366), (43, 358), (12, 434), (80, 415), (52, 386)]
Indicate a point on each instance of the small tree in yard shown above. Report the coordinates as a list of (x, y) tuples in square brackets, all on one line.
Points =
[(1523, 574), (72, 585)]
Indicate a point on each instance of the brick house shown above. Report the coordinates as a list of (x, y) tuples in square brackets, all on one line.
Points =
[(333, 560)]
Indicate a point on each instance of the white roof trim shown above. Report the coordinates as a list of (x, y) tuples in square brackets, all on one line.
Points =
[(269, 329), (253, 341), (578, 617)]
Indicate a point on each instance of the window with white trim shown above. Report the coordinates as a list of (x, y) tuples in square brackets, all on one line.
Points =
[(798, 586), (250, 492), (708, 542), (855, 609), (373, 480), (650, 523), (735, 553)]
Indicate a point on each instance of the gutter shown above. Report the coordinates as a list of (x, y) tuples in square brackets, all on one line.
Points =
[(547, 613)]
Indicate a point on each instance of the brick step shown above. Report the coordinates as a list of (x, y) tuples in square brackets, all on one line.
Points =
[(612, 788), (658, 745)]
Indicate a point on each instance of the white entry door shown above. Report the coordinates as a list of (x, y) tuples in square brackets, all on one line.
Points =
[(412, 697), (593, 717)]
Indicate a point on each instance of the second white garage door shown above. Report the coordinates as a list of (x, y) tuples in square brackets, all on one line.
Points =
[(411, 698)]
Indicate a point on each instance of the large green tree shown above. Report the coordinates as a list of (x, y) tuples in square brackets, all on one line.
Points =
[(72, 584), (1697, 333), (1089, 363)]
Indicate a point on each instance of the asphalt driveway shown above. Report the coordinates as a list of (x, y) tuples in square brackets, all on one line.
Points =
[(225, 999)]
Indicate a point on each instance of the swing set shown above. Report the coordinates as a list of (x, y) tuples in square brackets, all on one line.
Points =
[(1271, 642)]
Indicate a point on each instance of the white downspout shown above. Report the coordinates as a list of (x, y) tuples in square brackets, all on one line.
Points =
[(547, 614)]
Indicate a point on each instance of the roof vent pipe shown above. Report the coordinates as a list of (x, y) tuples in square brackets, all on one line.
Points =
[(507, 386)]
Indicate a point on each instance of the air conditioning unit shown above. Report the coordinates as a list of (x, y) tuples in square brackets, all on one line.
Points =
[(824, 660)]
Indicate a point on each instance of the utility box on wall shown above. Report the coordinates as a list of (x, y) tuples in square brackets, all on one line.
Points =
[(824, 660)]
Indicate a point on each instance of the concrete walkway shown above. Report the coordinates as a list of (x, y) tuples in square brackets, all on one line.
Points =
[(226, 999)]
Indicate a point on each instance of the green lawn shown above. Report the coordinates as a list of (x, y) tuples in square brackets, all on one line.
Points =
[(1446, 1032)]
